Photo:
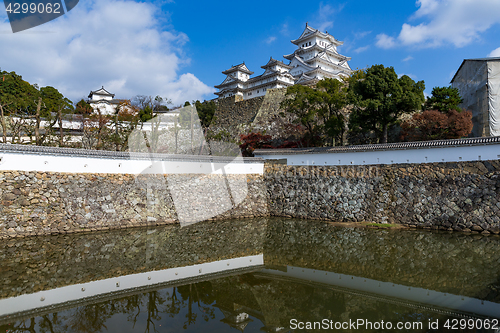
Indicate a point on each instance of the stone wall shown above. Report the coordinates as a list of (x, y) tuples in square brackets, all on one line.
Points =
[(38, 203), (463, 196), (259, 114), (235, 116), (271, 119)]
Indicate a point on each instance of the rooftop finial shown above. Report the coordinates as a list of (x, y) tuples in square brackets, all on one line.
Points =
[(307, 23)]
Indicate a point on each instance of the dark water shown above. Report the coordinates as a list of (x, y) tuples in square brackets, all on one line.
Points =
[(271, 275)]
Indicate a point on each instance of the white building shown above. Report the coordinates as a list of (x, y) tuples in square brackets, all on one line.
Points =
[(315, 58), (104, 101), (478, 82)]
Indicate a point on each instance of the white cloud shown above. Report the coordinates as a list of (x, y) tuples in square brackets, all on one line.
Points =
[(385, 42), (408, 58), (115, 43), (284, 29), (361, 34), (495, 53), (426, 7), (362, 49), (325, 16), (270, 40), (412, 76), (456, 22)]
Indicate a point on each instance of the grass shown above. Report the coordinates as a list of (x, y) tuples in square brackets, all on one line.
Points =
[(382, 225)]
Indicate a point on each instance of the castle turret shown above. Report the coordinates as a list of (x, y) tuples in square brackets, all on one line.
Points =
[(234, 84)]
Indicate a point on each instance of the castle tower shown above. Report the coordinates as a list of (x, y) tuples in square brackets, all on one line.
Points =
[(235, 82), (317, 57)]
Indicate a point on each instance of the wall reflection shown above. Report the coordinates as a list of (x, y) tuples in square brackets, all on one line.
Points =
[(463, 265)]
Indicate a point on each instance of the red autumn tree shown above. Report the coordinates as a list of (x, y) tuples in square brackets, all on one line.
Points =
[(252, 141), (436, 125)]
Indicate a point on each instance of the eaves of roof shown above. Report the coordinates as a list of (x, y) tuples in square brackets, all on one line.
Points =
[(476, 59)]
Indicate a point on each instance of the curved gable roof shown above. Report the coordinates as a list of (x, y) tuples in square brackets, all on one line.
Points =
[(241, 67), (102, 92), (310, 32)]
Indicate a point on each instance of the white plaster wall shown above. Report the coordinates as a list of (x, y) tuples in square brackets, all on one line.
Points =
[(420, 155), (97, 97), (392, 290), (10, 161), (67, 124), (76, 292), (106, 109)]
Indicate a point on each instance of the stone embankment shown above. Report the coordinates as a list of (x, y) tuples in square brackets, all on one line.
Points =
[(417, 259), (38, 203), (462, 196), (260, 114)]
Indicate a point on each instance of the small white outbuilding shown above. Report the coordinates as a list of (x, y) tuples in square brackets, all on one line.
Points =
[(103, 101)]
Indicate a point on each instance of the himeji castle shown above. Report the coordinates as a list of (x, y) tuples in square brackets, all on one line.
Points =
[(315, 58)]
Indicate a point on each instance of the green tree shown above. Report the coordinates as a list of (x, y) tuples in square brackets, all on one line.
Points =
[(444, 99), (52, 105), (148, 106), (160, 104), (26, 102), (332, 96), (146, 113), (16, 97), (319, 110), (206, 111), (84, 108), (17, 94), (303, 103), (124, 121), (53, 101), (378, 98)]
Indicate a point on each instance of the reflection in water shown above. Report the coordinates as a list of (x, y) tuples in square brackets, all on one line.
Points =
[(443, 264)]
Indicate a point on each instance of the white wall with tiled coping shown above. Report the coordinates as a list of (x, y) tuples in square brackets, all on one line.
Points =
[(12, 160), (77, 292), (425, 154)]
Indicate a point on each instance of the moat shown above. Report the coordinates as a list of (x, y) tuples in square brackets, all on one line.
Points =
[(251, 275)]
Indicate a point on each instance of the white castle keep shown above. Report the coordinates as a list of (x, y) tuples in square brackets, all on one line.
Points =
[(316, 58)]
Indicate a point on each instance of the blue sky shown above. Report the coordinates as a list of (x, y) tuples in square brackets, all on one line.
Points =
[(178, 49)]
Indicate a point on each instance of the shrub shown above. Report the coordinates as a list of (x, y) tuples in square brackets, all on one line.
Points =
[(436, 125), (252, 141)]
